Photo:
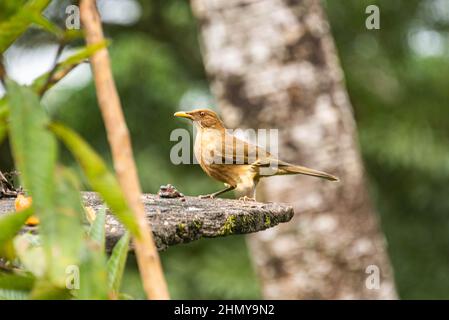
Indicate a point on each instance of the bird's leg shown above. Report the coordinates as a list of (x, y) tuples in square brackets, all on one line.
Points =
[(213, 195), (246, 198)]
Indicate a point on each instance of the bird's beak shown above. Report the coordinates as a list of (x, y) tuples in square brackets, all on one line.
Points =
[(183, 114)]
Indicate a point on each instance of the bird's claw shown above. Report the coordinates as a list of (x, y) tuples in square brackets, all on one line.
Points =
[(245, 198), (206, 196)]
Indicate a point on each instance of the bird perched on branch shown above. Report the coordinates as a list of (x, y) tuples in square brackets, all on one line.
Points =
[(238, 164)]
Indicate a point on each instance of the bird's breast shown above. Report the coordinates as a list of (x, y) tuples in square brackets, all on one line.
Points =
[(208, 144), (208, 151)]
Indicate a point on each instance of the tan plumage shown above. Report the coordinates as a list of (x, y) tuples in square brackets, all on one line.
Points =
[(238, 164)]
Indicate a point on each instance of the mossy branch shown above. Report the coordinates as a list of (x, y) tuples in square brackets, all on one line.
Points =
[(174, 221)]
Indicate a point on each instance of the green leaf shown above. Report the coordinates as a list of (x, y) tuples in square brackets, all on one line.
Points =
[(46, 24), (97, 230), (60, 242), (98, 175), (16, 24), (125, 296), (64, 67), (3, 131), (31, 254), (62, 233), (7, 251), (4, 111), (117, 263), (84, 53), (34, 148), (56, 197), (72, 34), (11, 223), (6, 294), (93, 273), (14, 281), (45, 290), (9, 8)]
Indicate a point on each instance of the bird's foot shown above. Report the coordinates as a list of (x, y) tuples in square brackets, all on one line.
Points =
[(245, 198), (207, 196)]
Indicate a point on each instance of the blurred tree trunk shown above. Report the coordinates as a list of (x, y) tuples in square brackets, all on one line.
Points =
[(273, 64)]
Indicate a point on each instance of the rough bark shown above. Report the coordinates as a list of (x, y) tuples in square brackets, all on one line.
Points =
[(174, 221), (273, 64)]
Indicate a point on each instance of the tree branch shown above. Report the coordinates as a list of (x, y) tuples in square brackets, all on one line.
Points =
[(50, 79), (174, 221)]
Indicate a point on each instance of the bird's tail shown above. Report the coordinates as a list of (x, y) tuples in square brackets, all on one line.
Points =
[(287, 168)]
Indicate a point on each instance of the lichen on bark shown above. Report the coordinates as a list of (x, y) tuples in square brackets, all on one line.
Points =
[(175, 221)]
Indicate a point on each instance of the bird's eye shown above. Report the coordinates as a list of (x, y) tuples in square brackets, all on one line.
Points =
[(202, 113)]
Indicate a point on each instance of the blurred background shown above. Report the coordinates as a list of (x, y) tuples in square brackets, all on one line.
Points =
[(397, 78)]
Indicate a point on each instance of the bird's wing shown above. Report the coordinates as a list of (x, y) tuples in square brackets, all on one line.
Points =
[(237, 151)]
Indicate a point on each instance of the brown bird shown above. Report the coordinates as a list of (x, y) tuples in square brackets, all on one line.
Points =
[(239, 164)]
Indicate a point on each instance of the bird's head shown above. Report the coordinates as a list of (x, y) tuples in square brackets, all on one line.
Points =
[(203, 118)]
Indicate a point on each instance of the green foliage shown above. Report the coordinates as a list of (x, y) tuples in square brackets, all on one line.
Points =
[(30, 252), (15, 287), (55, 191), (3, 131), (82, 54), (62, 244), (98, 175), (9, 8), (16, 24), (13, 294), (117, 263), (93, 273), (68, 64), (47, 25), (97, 229), (34, 147), (16, 281), (66, 219), (3, 113), (46, 290), (57, 203), (62, 241), (11, 223), (94, 277)]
